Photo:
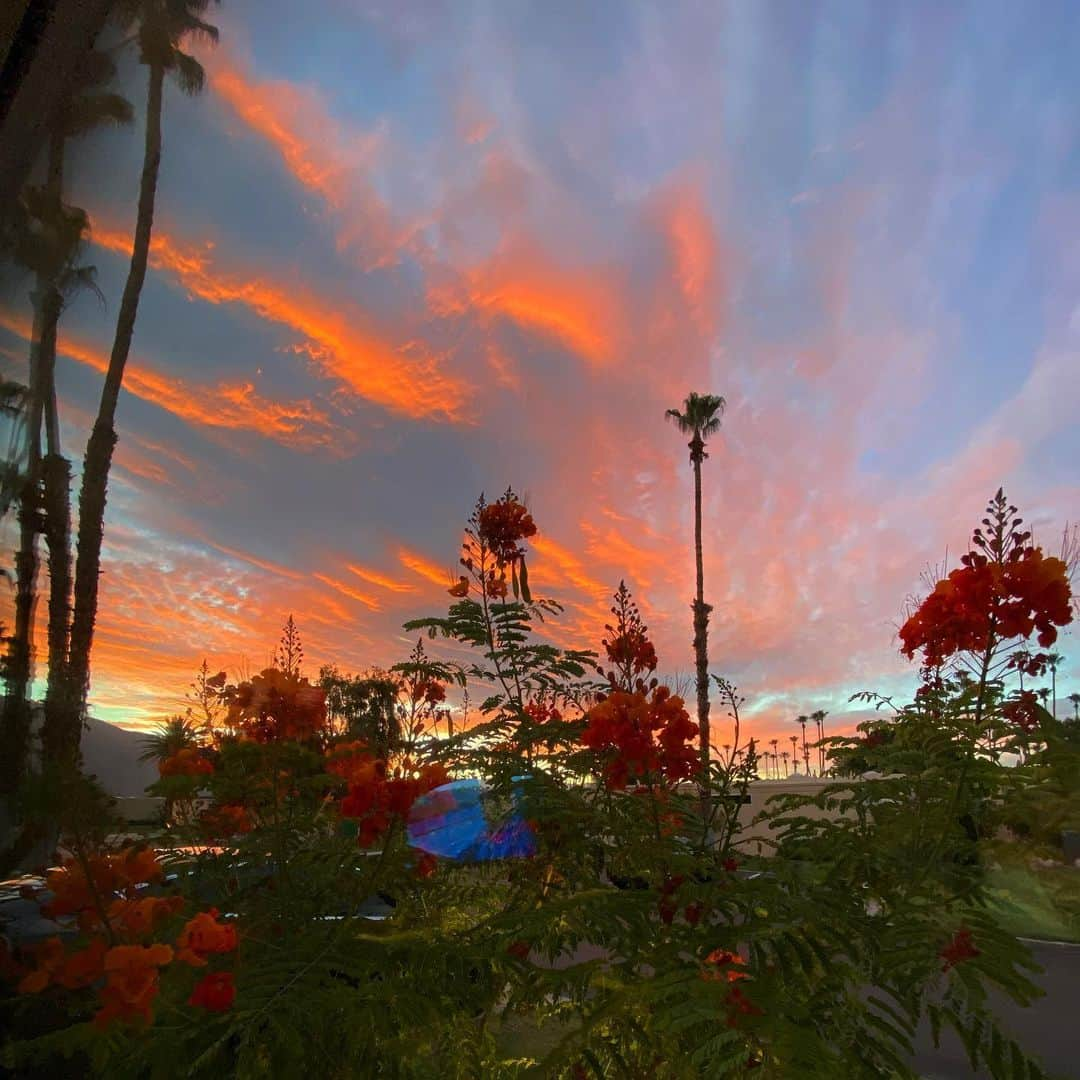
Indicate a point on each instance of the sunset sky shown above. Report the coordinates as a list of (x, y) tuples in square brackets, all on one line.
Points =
[(408, 252)]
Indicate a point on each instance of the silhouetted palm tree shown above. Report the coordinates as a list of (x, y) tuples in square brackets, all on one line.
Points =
[(1052, 661), (819, 719), (795, 750), (787, 763), (700, 418), (1075, 699), (168, 738), (162, 27), (48, 242), (804, 720)]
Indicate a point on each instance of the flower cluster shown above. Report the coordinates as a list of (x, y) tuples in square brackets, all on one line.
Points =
[(502, 525), (202, 936), (959, 948), (225, 820), (378, 796), (986, 601), (628, 647), (643, 738), (188, 761), (276, 705), (105, 893)]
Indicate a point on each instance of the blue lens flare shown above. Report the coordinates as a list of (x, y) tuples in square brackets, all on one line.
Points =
[(453, 822)]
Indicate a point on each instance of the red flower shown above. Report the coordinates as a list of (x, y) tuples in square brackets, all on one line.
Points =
[(518, 949), (460, 589), (642, 738), (131, 982), (222, 822), (202, 936), (987, 600), (502, 525), (189, 761), (376, 799), (277, 705), (215, 991), (730, 865), (960, 948)]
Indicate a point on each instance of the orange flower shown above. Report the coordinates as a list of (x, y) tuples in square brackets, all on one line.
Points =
[(188, 761), (131, 984), (202, 936), (221, 822), (215, 991), (726, 966), (83, 968), (642, 737), (502, 525), (142, 916)]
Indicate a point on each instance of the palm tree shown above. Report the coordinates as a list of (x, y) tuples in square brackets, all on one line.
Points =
[(700, 418), (1052, 661), (795, 750), (804, 720), (787, 762), (168, 738), (163, 26), (48, 243), (1075, 699), (819, 719), (776, 759)]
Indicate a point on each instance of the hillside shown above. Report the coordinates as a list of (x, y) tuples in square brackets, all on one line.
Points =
[(112, 755)]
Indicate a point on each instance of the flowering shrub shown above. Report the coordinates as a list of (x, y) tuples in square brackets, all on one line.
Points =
[(631, 933), (1005, 589), (117, 952)]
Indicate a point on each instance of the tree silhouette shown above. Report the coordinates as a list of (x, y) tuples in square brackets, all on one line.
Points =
[(700, 418), (290, 653), (161, 30)]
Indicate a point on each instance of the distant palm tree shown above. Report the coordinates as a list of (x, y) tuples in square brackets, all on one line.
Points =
[(787, 762), (804, 720), (795, 751), (169, 738), (162, 28), (819, 719), (700, 418), (774, 743), (1052, 661), (1075, 699)]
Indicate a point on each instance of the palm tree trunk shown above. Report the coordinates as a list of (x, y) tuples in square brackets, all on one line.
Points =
[(1053, 688), (17, 712), (61, 737), (701, 624)]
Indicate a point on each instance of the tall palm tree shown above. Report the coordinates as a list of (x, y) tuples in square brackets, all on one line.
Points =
[(1052, 661), (49, 243), (1075, 699), (795, 750), (774, 743), (819, 719), (163, 27), (787, 762), (700, 418), (804, 720)]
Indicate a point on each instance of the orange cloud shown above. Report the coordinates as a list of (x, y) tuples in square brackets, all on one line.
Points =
[(347, 590), (375, 578), (439, 575), (576, 307), (231, 406), (356, 356)]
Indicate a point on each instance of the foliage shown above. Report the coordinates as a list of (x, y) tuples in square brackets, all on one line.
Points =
[(639, 937)]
